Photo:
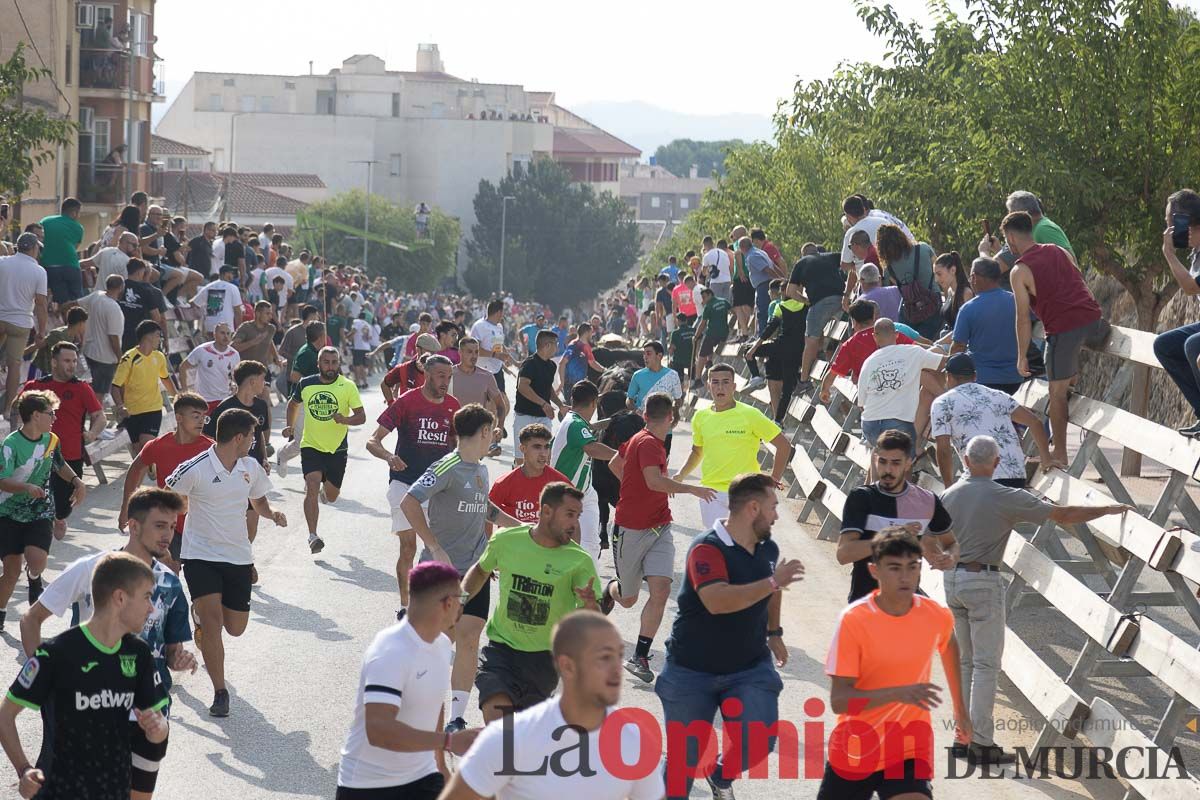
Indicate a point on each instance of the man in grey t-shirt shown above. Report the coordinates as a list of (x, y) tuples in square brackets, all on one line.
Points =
[(984, 513), (456, 489)]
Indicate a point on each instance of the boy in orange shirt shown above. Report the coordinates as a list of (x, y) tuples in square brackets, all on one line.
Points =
[(880, 662)]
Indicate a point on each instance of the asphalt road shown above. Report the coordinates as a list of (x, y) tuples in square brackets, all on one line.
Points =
[(293, 674)]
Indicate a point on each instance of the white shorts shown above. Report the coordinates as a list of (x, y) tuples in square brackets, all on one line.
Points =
[(397, 490), (711, 511), (519, 423), (589, 525)]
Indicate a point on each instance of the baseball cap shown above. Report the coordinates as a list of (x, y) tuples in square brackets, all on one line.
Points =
[(869, 272), (429, 342), (960, 364)]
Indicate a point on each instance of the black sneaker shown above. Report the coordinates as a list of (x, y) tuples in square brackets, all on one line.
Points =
[(36, 586), (607, 601), (990, 754), (639, 667), (3, 614), (455, 725), (220, 704), (1190, 430), (315, 543), (960, 750)]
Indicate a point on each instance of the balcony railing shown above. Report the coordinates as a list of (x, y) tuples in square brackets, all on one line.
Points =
[(102, 183), (109, 69)]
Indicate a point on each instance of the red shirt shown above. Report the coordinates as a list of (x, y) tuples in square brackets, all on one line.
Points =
[(405, 375), (75, 401), (424, 431), (520, 496), (1063, 301), (872, 257), (165, 454), (851, 354), (641, 508)]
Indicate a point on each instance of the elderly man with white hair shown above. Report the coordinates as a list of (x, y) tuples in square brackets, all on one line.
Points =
[(984, 513), (1045, 230)]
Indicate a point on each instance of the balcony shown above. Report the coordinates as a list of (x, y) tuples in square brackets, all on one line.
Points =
[(110, 69), (102, 184)]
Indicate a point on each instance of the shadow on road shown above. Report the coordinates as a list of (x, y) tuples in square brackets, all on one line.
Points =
[(274, 612), (361, 575)]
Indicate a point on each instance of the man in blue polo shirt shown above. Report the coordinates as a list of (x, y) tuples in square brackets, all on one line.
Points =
[(986, 327), (762, 270), (716, 655)]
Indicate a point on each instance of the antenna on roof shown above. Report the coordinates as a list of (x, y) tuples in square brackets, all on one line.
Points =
[(310, 63)]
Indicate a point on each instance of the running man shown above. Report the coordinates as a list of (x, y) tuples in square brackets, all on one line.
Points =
[(217, 554), (76, 403), (304, 363), (214, 363), (135, 393), (28, 457), (330, 404), (653, 378), (645, 549), (544, 575), (102, 659), (250, 377), (152, 523), (455, 490), (519, 493), (575, 445), (162, 455), (536, 397), (878, 684), (423, 421), (586, 655), (396, 746), (712, 331), (726, 440)]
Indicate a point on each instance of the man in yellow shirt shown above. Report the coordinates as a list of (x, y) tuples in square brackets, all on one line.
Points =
[(725, 442), (135, 387)]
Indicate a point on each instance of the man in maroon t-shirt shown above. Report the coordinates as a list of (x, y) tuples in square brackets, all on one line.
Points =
[(518, 494), (851, 354), (76, 400), (1046, 281), (645, 549), (423, 420)]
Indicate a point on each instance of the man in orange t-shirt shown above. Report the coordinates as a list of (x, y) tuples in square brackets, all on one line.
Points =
[(880, 662)]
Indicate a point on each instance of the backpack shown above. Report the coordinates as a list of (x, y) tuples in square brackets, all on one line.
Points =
[(920, 302)]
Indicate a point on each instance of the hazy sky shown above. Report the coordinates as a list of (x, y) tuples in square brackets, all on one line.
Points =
[(685, 56)]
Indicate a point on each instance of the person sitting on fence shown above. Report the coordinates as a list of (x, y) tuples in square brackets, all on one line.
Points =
[(1047, 281), (890, 386), (848, 360), (984, 513), (1178, 350), (982, 328)]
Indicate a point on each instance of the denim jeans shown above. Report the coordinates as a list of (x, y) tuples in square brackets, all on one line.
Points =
[(872, 429), (762, 303), (977, 601), (689, 696), (1177, 350)]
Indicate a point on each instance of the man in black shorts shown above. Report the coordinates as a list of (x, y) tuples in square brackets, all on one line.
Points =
[(94, 676), (712, 331), (251, 380), (135, 386), (217, 554)]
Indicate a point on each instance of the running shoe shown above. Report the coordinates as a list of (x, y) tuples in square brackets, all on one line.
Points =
[(719, 792), (639, 667), (281, 464), (756, 383), (220, 704), (315, 543), (608, 601), (36, 586), (3, 614), (804, 387), (455, 725), (1190, 430)]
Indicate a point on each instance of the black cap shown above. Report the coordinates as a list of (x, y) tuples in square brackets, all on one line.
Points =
[(960, 364)]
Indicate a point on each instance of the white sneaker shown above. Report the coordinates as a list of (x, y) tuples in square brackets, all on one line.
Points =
[(315, 543), (281, 464), (756, 383)]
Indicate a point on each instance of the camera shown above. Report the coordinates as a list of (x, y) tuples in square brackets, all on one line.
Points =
[(1179, 230)]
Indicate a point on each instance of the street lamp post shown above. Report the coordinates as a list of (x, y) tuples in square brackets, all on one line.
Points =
[(229, 167), (370, 162), (503, 234)]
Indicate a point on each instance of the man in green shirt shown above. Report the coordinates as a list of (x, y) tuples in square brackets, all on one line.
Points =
[(544, 576), (1045, 231), (304, 364), (575, 445), (680, 346), (712, 331), (60, 254)]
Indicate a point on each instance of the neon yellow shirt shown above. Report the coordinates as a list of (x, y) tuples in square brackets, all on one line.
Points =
[(321, 401), (730, 440)]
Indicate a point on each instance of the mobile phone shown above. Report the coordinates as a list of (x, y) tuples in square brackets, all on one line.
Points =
[(987, 227), (3, 210), (1179, 230)]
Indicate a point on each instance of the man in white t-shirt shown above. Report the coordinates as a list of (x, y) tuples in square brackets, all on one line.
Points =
[(489, 332), (863, 218), (221, 300), (272, 272), (889, 385), (396, 745), (587, 653), (360, 345), (114, 260), (217, 555), (718, 266), (213, 363)]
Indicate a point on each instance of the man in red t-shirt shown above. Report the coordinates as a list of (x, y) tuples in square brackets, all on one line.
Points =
[(518, 494), (76, 400), (166, 453), (645, 549), (851, 354)]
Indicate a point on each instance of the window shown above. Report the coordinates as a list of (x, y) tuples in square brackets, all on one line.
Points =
[(229, 82), (215, 103), (246, 102), (289, 85), (175, 164), (684, 203), (85, 15), (395, 104), (100, 139), (395, 165), (87, 125), (67, 74), (266, 103), (655, 202), (139, 30)]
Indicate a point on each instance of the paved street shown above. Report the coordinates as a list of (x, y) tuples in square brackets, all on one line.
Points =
[(293, 675)]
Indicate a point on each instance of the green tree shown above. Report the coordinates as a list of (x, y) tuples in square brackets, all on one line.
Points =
[(334, 227), (28, 135), (679, 155), (564, 243)]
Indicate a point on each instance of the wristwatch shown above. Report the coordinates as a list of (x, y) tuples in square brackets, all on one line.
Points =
[(775, 632)]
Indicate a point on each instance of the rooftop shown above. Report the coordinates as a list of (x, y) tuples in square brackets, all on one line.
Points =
[(292, 180), (201, 192), (162, 146), (583, 142)]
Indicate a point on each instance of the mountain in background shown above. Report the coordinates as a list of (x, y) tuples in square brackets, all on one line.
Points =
[(647, 126)]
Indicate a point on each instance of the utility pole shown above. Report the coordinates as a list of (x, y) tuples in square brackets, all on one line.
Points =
[(370, 162), (503, 234)]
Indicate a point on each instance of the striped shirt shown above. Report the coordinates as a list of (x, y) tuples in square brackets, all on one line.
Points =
[(568, 456)]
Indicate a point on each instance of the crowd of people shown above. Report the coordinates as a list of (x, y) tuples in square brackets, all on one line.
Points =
[(936, 352)]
